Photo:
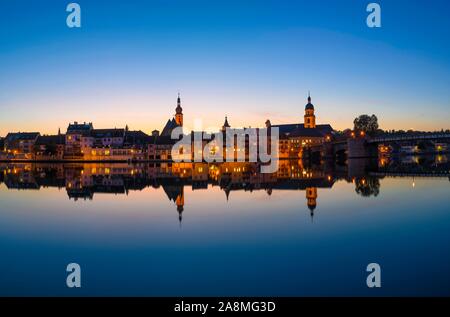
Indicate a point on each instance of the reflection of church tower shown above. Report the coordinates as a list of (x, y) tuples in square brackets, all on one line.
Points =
[(227, 191), (310, 118), (179, 112), (180, 204), (311, 197)]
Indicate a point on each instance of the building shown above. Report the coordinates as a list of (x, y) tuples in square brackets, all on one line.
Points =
[(103, 138), (21, 144), (161, 148), (138, 142), (294, 139), (83, 142), (137, 139), (225, 125), (116, 145), (50, 147), (176, 121), (309, 117), (3, 154), (76, 135), (283, 146), (240, 150), (160, 145), (179, 112), (298, 137)]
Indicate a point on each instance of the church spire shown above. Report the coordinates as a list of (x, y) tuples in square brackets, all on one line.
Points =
[(225, 124), (310, 118), (178, 108), (179, 112)]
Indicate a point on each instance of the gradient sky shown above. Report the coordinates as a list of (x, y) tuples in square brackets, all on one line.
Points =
[(250, 60)]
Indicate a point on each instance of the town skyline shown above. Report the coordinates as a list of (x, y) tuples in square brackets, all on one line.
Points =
[(308, 139)]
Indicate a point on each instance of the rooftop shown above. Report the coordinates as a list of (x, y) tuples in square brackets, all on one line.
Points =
[(170, 125), (138, 138), (290, 128), (14, 136), (108, 133), (79, 127), (51, 139)]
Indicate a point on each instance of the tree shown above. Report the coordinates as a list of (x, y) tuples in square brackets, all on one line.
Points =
[(366, 123), (368, 186)]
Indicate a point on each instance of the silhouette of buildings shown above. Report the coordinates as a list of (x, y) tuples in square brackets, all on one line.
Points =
[(84, 142), (297, 138), (50, 147), (20, 144), (307, 140), (175, 122)]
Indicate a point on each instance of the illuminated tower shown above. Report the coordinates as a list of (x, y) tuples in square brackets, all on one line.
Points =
[(311, 197), (179, 112), (310, 118)]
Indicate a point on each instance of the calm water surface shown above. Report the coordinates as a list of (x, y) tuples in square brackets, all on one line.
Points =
[(160, 229)]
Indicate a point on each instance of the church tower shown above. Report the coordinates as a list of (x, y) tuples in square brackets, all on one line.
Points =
[(179, 112), (225, 124), (310, 118)]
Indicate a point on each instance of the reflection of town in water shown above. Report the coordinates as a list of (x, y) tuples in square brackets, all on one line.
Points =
[(83, 181)]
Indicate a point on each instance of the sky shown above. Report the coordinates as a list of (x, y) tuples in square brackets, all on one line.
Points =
[(251, 60)]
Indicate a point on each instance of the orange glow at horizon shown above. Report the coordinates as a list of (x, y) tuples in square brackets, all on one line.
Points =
[(148, 115)]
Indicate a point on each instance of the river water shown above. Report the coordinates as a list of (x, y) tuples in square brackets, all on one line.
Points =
[(226, 229)]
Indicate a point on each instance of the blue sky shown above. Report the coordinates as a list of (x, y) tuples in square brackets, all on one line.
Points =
[(250, 60)]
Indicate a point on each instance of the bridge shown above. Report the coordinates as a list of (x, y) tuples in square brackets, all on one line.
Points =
[(359, 147), (409, 137), (365, 146)]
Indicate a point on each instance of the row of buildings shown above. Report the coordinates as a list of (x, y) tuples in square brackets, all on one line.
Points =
[(81, 141)]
